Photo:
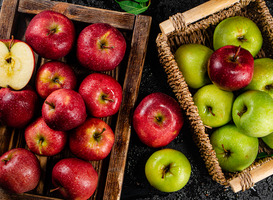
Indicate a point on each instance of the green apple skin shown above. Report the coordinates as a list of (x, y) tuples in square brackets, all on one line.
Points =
[(235, 151), (214, 105), (268, 140), (238, 31), (168, 170), (252, 113), (192, 61), (263, 76)]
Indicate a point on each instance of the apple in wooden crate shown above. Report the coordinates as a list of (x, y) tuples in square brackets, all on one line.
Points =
[(17, 63), (92, 140), (102, 94), (158, 119), (51, 34), (54, 75), (43, 140), (18, 107), (74, 178), (64, 109), (20, 170), (100, 47)]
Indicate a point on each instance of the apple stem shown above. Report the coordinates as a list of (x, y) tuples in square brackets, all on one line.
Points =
[(52, 190), (5, 161), (40, 146), (106, 47), (56, 80), (108, 99), (268, 87), (242, 112), (98, 135), (226, 151), (210, 110), (11, 43), (236, 54), (50, 104), (52, 31), (165, 170)]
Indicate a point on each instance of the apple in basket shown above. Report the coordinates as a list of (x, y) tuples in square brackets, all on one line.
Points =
[(168, 170), (18, 107), (51, 34), (192, 61), (63, 110), (92, 140), (231, 68), (214, 105), (238, 31), (100, 47), (157, 119), (43, 140), (20, 170), (252, 113), (74, 178), (54, 75), (235, 150), (263, 76), (102, 94), (17, 63)]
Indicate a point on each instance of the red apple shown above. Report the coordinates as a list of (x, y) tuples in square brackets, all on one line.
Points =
[(100, 47), (74, 178), (51, 34), (231, 68), (43, 140), (18, 107), (63, 110), (19, 171), (102, 94), (157, 119), (93, 140), (17, 63), (54, 75)]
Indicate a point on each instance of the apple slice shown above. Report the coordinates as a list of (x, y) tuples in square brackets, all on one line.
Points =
[(17, 63)]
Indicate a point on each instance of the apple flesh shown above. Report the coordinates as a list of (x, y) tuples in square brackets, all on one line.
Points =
[(19, 171), (93, 140), (100, 47), (157, 119), (168, 170), (235, 151), (102, 94), (18, 107), (17, 63), (54, 75), (231, 68), (63, 110), (43, 140), (74, 178), (51, 34)]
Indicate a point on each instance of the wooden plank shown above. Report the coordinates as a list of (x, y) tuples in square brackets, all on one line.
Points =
[(79, 13), (132, 80)]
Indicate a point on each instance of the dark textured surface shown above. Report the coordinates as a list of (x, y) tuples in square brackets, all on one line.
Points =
[(200, 185)]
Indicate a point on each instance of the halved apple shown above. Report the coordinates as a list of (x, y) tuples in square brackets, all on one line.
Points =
[(17, 63)]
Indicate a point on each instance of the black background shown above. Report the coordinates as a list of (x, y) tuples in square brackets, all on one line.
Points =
[(200, 185)]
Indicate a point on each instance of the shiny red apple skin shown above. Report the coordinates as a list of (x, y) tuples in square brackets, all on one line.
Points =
[(90, 52), (77, 178), (87, 143), (63, 110), (41, 37), (94, 88), (158, 119), (43, 140), (18, 107), (21, 172), (228, 74), (54, 75)]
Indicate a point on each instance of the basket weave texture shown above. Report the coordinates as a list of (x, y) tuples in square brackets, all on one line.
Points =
[(201, 32)]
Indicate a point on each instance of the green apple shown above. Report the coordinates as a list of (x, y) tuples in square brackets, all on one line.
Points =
[(214, 105), (238, 31), (263, 76), (268, 140), (252, 113), (235, 151), (168, 170), (192, 61)]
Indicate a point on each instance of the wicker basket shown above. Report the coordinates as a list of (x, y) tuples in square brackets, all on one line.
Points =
[(201, 31)]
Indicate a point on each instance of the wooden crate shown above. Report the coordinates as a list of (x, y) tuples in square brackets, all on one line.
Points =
[(14, 18)]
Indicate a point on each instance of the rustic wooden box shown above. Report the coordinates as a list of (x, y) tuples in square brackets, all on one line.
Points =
[(14, 18), (197, 26)]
